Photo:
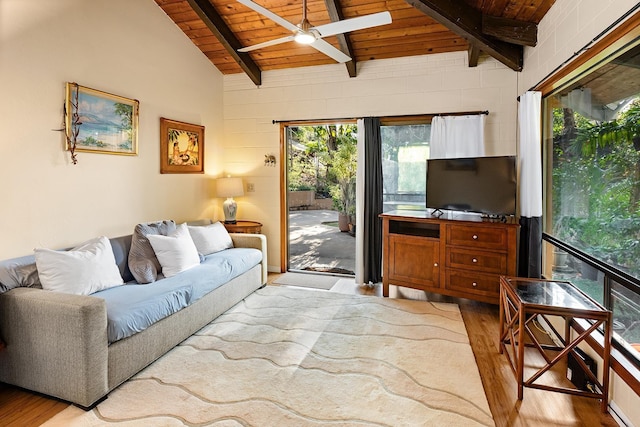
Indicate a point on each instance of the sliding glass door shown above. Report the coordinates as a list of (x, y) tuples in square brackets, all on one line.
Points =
[(321, 179)]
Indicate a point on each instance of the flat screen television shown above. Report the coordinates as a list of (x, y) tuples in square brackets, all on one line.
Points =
[(485, 185)]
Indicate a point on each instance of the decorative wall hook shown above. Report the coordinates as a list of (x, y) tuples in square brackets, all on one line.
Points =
[(269, 160)]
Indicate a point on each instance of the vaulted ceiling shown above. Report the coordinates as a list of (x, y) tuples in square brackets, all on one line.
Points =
[(499, 28)]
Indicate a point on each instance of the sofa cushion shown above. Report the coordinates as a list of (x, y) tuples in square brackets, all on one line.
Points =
[(143, 263), (83, 270), (224, 266), (132, 308), (210, 239), (176, 252)]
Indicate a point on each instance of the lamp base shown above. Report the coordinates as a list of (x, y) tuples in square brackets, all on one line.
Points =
[(230, 207)]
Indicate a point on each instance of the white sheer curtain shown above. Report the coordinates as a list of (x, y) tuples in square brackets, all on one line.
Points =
[(457, 136), (360, 203), (529, 123)]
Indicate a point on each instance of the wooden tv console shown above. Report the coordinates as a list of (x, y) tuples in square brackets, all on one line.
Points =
[(457, 254)]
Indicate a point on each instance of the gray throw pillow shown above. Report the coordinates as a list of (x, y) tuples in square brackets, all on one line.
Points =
[(143, 262), (28, 275), (19, 272)]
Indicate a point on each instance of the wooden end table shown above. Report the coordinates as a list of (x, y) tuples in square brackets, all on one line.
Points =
[(522, 301), (252, 227)]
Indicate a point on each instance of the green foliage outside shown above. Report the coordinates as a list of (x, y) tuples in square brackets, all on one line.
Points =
[(596, 184), (342, 162), (596, 199), (323, 158)]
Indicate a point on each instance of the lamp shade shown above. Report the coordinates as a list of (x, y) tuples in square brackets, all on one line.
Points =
[(229, 187)]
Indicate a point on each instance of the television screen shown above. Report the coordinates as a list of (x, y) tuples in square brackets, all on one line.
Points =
[(476, 184)]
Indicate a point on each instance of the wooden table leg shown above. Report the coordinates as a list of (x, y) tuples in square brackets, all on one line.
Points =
[(503, 302), (520, 361), (606, 365)]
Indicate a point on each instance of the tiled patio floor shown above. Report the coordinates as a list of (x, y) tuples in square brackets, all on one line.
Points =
[(316, 245)]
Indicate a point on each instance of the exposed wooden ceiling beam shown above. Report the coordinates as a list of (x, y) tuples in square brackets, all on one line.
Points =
[(474, 55), (219, 28), (336, 14), (467, 22), (510, 30)]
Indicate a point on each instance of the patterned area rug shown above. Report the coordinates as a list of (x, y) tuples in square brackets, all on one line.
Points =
[(297, 357)]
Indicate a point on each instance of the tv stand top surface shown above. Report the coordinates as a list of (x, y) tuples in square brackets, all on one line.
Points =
[(436, 214)]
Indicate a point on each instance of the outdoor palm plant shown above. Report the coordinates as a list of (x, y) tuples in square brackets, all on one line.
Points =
[(343, 166)]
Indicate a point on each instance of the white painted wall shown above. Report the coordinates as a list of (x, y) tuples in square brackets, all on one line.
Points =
[(418, 85), (567, 28), (129, 48)]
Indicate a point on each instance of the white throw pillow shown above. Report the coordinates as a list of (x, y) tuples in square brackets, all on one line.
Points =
[(175, 252), (211, 238), (83, 270)]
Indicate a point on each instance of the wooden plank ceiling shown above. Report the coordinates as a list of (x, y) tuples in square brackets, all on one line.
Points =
[(496, 27)]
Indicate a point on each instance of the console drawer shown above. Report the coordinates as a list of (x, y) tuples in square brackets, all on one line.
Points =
[(477, 236), (473, 259), (473, 283)]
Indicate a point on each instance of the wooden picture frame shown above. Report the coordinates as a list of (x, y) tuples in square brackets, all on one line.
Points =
[(108, 123), (181, 147)]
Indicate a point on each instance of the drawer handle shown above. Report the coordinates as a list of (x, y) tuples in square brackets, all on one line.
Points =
[(475, 237), (474, 284), (474, 260), (435, 264)]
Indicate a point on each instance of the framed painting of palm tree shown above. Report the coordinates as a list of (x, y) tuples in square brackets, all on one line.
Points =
[(181, 147)]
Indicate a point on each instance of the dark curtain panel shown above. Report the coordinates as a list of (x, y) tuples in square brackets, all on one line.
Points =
[(530, 247), (372, 201)]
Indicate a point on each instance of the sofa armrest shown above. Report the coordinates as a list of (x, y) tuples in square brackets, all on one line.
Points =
[(56, 344), (256, 241)]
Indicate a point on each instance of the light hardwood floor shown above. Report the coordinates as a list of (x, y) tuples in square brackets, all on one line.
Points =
[(538, 408)]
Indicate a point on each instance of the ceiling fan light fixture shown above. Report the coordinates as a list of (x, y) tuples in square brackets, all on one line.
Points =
[(305, 33), (304, 37)]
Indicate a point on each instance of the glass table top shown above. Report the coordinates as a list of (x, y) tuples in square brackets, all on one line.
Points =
[(552, 294)]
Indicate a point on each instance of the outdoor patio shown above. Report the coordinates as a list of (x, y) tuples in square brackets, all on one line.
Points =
[(316, 243)]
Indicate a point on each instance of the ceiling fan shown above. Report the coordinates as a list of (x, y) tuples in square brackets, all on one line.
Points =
[(305, 33)]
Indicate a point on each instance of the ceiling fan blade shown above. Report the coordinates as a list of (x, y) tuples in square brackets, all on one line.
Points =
[(266, 44), (265, 12), (353, 24), (328, 49)]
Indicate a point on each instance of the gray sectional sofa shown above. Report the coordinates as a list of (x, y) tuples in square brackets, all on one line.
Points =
[(66, 346)]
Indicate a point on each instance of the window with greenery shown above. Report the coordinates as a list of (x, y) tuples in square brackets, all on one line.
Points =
[(405, 150), (593, 186)]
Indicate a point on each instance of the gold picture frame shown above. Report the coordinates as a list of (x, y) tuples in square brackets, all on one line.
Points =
[(181, 147), (105, 123)]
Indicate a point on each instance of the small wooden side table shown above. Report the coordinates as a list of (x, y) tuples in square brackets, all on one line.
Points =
[(522, 301), (252, 227)]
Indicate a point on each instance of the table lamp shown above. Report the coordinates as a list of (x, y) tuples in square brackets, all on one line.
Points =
[(229, 187)]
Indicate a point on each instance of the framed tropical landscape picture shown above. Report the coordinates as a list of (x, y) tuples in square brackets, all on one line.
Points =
[(100, 122), (181, 147)]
